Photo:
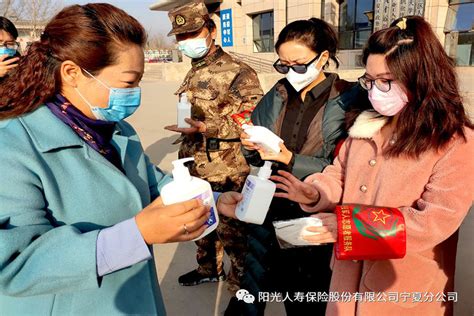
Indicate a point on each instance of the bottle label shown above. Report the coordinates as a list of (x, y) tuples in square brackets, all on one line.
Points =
[(247, 195), (207, 198)]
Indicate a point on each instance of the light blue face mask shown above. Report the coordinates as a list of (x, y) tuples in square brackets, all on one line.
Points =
[(123, 102), (195, 47), (7, 51)]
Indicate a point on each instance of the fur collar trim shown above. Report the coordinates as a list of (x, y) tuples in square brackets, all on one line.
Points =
[(367, 124)]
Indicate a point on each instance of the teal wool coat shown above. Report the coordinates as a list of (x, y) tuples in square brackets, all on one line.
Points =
[(56, 193)]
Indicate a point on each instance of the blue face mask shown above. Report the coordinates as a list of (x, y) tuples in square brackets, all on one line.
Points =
[(123, 102), (7, 51), (195, 47)]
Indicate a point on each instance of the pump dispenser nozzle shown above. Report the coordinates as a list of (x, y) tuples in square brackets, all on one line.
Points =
[(183, 97), (265, 171), (180, 171)]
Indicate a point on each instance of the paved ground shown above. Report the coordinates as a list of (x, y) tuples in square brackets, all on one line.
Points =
[(158, 110)]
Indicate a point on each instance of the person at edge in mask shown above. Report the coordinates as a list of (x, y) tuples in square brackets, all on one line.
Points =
[(78, 196), (217, 86), (9, 55), (411, 150), (306, 109)]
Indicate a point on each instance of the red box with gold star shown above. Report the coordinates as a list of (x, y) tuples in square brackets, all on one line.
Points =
[(369, 233)]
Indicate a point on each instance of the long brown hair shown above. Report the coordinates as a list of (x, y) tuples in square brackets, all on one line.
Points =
[(416, 58), (90, 35)]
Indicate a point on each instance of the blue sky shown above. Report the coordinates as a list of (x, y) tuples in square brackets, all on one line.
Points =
[(155, 22)]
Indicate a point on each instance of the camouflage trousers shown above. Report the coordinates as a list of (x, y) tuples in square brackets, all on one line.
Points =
[(230, 236)]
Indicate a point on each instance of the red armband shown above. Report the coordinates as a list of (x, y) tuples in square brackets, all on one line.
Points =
[(369, 233)]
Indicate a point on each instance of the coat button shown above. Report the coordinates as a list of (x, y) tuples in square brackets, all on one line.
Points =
[(363, 188), (372, 162)]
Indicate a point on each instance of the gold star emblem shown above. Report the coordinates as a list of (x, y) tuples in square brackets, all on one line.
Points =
[(380, 216), (180, 20)]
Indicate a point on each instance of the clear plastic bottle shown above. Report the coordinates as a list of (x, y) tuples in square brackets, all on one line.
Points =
[(257, 194), (184, 187), (184, 110)]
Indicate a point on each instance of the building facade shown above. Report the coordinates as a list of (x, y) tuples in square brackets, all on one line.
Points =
[(251, 27)]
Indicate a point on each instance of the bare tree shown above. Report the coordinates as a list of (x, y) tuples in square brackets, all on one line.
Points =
[(38, 12), (10, 9), (157, 41)]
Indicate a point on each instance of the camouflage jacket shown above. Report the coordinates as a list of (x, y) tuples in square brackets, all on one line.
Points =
[(217, 87)]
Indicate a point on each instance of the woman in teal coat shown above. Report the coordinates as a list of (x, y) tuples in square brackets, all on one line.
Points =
[(78, 197)]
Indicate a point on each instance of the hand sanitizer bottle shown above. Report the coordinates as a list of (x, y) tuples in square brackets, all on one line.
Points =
[(184, 110), (184, 187), (258, 193)]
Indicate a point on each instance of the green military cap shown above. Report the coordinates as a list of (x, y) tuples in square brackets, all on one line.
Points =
[(188, 18)]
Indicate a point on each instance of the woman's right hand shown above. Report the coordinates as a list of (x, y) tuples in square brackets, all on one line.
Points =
[(294, 189), (247, 144), (172, 223), (7, 65)]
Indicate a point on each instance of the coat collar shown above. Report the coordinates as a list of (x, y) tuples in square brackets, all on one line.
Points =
[(209, 59), (49, 133), (367, 125)]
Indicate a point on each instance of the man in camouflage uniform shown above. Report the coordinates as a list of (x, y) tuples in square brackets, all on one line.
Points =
[(217, 86)]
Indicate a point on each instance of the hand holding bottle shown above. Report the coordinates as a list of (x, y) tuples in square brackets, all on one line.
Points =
[(196, 127), (295, 189), (227, 202), (172, 223), (284, 156), (244, 139)]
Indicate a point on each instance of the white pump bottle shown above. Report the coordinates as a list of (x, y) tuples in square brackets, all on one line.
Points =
[(257, 194), (184, 110), (184, 187)]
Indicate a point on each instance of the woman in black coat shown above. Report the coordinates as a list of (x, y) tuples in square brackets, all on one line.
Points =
[(307, 110)]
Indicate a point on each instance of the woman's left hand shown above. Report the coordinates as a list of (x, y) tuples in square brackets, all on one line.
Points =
[(284, 156), (326, 233), (227, 202)]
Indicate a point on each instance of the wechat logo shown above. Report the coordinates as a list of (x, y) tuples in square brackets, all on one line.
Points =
[(244, 295)]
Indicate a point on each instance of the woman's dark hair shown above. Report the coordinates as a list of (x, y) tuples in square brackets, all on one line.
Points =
[(416, 59), (90, 35), (7, 26), (314, 33)]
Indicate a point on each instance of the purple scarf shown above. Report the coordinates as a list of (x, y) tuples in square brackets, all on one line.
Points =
[(96, 133)]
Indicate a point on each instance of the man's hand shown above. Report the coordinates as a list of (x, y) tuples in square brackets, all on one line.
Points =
[(196, 127)]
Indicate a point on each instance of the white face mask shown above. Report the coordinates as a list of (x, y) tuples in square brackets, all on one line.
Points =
[(195, 47), (300, 81), (388, 103)]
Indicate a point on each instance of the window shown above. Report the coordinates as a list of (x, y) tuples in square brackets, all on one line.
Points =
[(459, 29), (263, 32), (355, 23)]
